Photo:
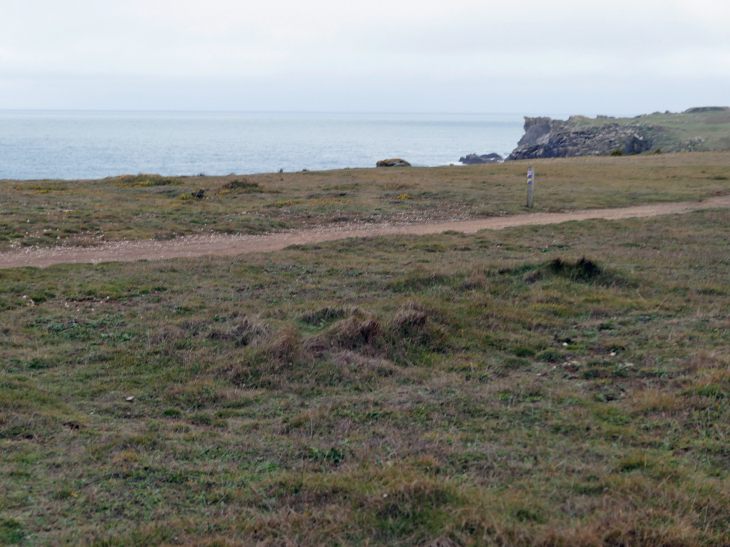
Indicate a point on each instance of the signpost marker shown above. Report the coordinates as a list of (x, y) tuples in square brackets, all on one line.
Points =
[(530, 186)]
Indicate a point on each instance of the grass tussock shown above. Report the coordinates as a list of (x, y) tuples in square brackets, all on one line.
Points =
[(384, 391), (245, 186), (242, 186), (354, 332), (410, 318), (240, 329), (322, 316), (583, 270)]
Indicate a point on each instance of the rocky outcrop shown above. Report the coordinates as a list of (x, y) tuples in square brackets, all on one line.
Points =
[(472, 159), (535, 128), (548, 138), (395, 162)]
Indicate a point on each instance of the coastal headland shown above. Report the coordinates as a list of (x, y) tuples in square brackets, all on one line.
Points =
[(696, 129)]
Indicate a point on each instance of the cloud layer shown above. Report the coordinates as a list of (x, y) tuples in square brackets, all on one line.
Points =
[(523, 56)]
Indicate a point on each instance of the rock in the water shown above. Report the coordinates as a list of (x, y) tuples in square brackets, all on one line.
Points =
[(395, 162), (473, 159)]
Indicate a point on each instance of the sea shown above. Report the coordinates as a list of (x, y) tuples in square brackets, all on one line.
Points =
[(93, 144)]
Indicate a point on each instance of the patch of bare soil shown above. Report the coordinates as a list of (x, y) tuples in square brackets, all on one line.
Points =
[(225, 245)]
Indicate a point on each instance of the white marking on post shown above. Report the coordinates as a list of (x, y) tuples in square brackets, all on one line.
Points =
[(530, 186)]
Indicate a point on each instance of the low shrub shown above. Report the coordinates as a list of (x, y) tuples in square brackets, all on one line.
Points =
[(243, 186), (142, 181)]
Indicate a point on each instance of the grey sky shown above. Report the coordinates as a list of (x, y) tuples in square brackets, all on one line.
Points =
[(552, 56)]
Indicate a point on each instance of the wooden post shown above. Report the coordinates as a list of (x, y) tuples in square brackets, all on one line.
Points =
[(530, 186)]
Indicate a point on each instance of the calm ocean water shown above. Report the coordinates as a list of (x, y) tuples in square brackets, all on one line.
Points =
[(85, 145)]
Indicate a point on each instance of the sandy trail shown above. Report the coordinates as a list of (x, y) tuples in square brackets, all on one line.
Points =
[(226, 245)]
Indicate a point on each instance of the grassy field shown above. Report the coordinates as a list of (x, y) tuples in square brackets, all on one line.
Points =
[(50, 213), (565, 385)]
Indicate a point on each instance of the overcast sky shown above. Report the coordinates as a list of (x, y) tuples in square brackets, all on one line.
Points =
[(518, 56)]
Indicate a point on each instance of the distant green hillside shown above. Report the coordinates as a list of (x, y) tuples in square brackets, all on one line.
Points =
[(704, 128), (697, 129)]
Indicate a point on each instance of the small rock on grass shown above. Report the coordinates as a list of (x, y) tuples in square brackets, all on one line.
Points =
[(394, 162)]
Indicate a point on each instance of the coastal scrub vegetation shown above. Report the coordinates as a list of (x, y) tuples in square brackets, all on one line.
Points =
[(51, 213), (538, 386)]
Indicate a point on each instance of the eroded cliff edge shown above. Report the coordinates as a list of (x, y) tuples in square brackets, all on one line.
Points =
[(705, 128)]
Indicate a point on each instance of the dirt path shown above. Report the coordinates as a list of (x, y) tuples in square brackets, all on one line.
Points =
[(192, 246)]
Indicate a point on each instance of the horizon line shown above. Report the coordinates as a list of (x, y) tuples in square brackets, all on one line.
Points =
[(205, 111)]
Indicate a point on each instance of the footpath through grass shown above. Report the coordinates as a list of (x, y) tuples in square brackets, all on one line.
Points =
[(51, 213), (488, 389)]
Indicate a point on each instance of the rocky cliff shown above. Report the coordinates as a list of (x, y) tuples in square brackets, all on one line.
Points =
[(696, 129), (548, 138)]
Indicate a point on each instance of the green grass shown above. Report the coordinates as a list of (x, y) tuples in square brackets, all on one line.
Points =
[(52, 213), (488, 389), (675, 132)]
